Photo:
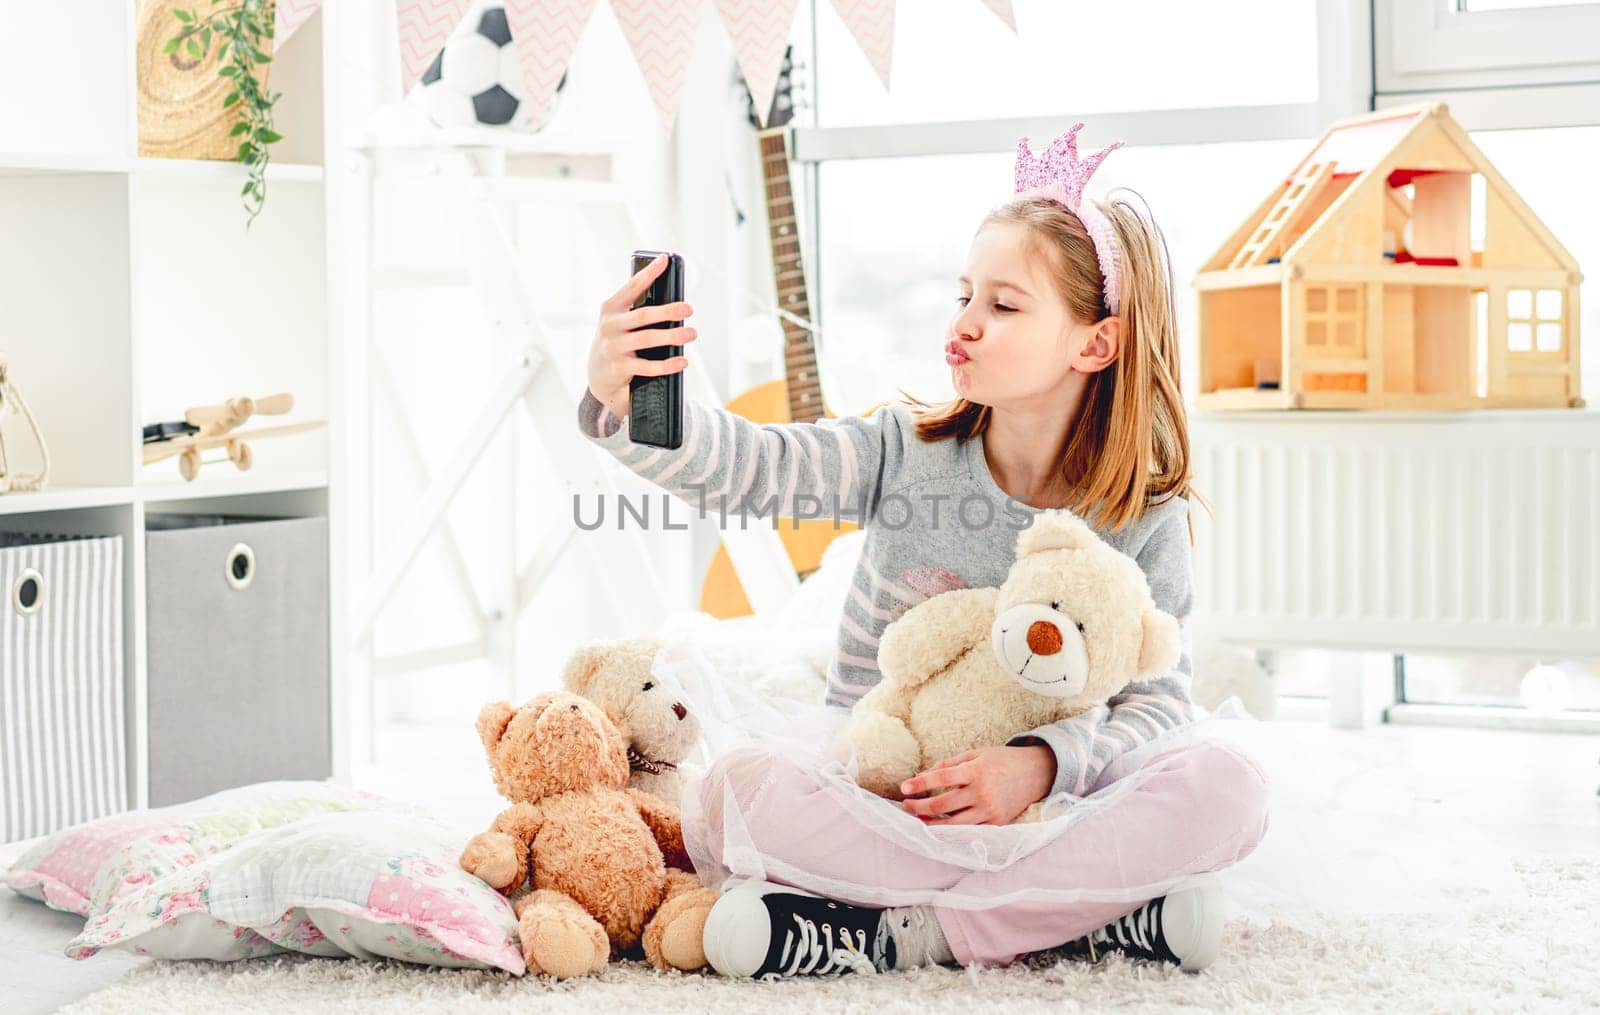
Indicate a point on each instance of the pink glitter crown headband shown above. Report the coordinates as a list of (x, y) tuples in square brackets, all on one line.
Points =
[(1060, 175)]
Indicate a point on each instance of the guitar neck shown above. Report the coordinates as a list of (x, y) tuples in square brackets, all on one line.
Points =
[(789, 279)]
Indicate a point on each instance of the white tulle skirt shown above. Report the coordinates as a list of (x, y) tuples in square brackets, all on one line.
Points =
[(771, 759)]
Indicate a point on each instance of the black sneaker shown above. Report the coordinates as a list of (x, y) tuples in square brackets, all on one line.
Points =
[(763, 930), (1184, 928)]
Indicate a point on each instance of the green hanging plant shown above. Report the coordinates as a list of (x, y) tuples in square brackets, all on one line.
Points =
[(244, 33)]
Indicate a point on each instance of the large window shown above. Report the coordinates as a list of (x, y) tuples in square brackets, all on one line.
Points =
[(1541, 685), (1212, 100), (955, 60), (902, 181), (1147, 71)]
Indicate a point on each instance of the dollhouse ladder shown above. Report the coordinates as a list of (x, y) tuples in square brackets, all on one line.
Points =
[(1308, 180)]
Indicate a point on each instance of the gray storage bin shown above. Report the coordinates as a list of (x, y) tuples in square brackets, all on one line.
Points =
[(237, 614), (63, 753)]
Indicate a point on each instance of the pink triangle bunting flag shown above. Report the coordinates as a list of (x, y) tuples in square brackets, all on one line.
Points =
[(291, 14), (1002, 9), (872, 24), (424, 27), (546, 34), (760, 33), (661, 33)]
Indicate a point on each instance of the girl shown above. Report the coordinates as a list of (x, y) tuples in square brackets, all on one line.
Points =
[(1063, 351)]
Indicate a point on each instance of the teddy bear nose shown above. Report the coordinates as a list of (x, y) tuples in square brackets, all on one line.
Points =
[(1044, 638), (679, 711)]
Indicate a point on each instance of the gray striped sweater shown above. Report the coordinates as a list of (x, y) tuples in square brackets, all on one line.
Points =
[(934, 519)]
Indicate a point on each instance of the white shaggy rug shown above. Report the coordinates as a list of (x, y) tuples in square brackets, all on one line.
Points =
[(1539, 955)]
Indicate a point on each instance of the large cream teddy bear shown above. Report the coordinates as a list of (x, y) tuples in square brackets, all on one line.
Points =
[(661, 731), (1073, 623)]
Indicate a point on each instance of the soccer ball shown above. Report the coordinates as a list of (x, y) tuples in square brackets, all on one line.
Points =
[(476, 80)]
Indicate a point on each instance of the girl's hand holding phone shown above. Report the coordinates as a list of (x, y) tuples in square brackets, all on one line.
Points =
[(614, 358)]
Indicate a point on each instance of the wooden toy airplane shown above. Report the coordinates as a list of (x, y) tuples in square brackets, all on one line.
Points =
[(218, 424)]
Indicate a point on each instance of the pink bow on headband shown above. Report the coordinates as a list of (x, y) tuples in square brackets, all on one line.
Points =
[(1059, 175)]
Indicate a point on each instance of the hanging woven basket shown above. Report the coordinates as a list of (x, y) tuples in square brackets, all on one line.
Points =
[(180, 98)]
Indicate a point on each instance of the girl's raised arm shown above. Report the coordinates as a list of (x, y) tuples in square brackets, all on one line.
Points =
[(833, 467), (829, 469)]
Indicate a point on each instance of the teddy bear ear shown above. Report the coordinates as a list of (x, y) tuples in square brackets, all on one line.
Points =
[(616, 751), (1159, 652), (581, 667), (492, 722), (1054, 530)]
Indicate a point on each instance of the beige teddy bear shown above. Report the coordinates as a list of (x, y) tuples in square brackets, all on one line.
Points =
[(599, 858), (1073, 623), (661, 730)]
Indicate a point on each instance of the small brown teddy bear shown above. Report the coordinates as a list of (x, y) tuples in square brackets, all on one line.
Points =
[(662, 732), (594, 854)]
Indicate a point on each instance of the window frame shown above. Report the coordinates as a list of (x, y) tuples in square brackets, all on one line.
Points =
[(1534, 320), (1525, 68)]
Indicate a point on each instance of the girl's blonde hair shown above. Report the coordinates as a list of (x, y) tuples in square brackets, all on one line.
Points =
[(1128, 447)]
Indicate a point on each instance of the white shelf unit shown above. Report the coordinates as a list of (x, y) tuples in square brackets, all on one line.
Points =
[(130, 289), (29, 164)]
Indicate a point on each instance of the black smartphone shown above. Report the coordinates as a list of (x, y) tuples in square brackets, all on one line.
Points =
[(655, 404)]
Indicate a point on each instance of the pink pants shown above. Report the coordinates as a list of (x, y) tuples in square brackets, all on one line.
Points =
[(1203, 813)]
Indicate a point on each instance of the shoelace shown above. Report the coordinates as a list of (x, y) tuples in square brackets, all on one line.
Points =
[(1137, 929), (814, 951)]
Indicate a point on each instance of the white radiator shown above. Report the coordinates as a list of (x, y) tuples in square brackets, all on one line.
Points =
[(1429, 532)]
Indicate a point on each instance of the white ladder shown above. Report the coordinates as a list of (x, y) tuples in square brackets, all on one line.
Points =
[(1284, 214)]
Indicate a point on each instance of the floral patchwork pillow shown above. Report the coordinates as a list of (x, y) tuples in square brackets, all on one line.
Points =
[(85, 869), (372, 885)]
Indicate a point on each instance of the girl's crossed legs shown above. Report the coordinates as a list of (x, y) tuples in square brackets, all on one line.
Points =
[(1206, 809)]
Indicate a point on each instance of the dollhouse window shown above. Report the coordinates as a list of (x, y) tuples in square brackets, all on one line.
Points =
[(1333, 319), (1533, 320)]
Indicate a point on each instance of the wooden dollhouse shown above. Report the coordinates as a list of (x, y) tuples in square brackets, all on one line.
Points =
[(1392, 268)]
